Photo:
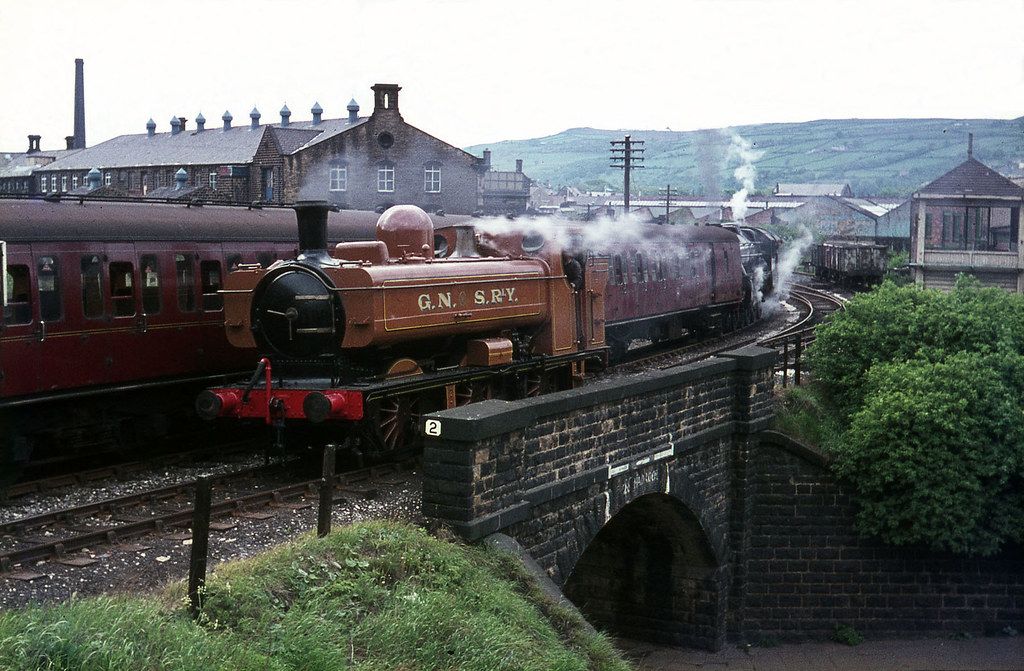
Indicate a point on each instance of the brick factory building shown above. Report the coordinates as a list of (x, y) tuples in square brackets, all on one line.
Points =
[(358, 162), (968, 220)]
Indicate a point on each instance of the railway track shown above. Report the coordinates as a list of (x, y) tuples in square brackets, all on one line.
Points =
[(57, 535)]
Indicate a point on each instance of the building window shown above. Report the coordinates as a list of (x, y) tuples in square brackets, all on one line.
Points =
[(106, 178), (63, 182), (432, 178), (74, 181), (213, 180), (339, 178), (386, 178)]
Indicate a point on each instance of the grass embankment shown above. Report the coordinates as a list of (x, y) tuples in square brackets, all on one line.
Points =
[(370, 596)]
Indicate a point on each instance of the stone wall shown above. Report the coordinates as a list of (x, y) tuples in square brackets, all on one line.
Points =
[(807, 570)]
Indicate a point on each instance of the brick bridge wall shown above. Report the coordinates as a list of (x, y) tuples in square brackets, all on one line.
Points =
[(655, 502)]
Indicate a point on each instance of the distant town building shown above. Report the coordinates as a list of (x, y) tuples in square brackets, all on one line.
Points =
[(358, 162), (968, 221), (17, 169), (801, 190), (861, 219), (503, 191)]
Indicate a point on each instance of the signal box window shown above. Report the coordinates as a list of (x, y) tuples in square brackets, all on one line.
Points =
[(150, 284), (48, 279), (209, 272), (185, 274), (92, 287), (19, 297), (122, 289)]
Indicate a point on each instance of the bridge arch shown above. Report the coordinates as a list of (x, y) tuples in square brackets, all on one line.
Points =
[(651, 573)]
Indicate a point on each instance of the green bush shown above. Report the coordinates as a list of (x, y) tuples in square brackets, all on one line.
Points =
[(928, 389), (935, 454)]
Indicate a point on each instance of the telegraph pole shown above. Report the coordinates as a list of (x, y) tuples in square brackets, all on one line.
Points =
[(627, 154), (669, 193)]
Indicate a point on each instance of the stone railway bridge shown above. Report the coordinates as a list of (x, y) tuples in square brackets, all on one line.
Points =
[(665, 510)]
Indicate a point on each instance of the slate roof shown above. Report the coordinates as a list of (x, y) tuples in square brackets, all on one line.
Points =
[(973, 178), (213, 146), (824, 189), (23, 165)]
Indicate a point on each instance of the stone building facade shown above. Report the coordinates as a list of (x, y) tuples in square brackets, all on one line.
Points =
[(358, 162)]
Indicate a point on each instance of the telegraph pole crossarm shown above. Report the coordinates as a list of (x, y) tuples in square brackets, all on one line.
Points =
[(626, 154)]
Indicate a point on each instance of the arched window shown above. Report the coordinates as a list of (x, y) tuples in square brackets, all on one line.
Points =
[(386, 177), (432, 177)]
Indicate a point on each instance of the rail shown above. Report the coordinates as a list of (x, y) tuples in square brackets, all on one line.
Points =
[(793, 341)]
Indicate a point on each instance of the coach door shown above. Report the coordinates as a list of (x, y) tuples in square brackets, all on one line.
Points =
[(125, 345), (18, 342), (590, 300)]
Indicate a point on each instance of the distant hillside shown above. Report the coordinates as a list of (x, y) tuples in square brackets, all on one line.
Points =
[(876, 157)]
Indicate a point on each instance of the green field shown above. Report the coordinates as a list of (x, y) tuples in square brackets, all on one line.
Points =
[(886, 157)]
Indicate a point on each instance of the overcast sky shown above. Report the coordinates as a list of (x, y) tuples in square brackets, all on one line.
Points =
[(476, 71)]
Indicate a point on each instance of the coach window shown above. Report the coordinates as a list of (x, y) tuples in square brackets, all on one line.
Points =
[(48, 279), (122, 289), (641, 268), (209, 272), (185, 274), (265, 259), (150, 266), (19, 297), (659, 265), (92, 287), (617, 277)]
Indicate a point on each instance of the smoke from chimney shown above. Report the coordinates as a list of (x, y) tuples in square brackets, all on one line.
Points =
[(79, 141)]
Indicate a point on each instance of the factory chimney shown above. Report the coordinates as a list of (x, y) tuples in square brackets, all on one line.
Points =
[(970, 145), (79, 142)]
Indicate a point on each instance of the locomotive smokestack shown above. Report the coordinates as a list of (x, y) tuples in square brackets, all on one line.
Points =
[(312, 218), (79, 141)]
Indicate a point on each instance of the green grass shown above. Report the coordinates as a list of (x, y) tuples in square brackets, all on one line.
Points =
[(806, 414), (371, 596)]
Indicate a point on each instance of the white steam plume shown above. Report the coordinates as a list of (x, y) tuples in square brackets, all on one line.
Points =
[(743, 151), (789, 258)]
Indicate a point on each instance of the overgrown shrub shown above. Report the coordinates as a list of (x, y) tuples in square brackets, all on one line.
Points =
[(927, 388), (935, 454)]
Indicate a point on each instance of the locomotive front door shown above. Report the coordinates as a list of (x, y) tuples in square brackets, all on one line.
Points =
[(590, 301)]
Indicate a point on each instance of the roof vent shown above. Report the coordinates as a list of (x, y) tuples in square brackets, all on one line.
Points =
[(286, 115), (180, 179), (175, 125), (151, 128), (317, 111), (227, 120), (93, 178), (254, 117), (353, 111), (200, 123)]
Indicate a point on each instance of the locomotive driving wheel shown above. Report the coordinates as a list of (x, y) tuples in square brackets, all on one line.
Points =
[(392, 425), (539, 382), (471, 392)]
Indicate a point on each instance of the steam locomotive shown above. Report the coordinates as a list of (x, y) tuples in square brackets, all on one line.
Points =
[(112, 320), (359, 340)]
